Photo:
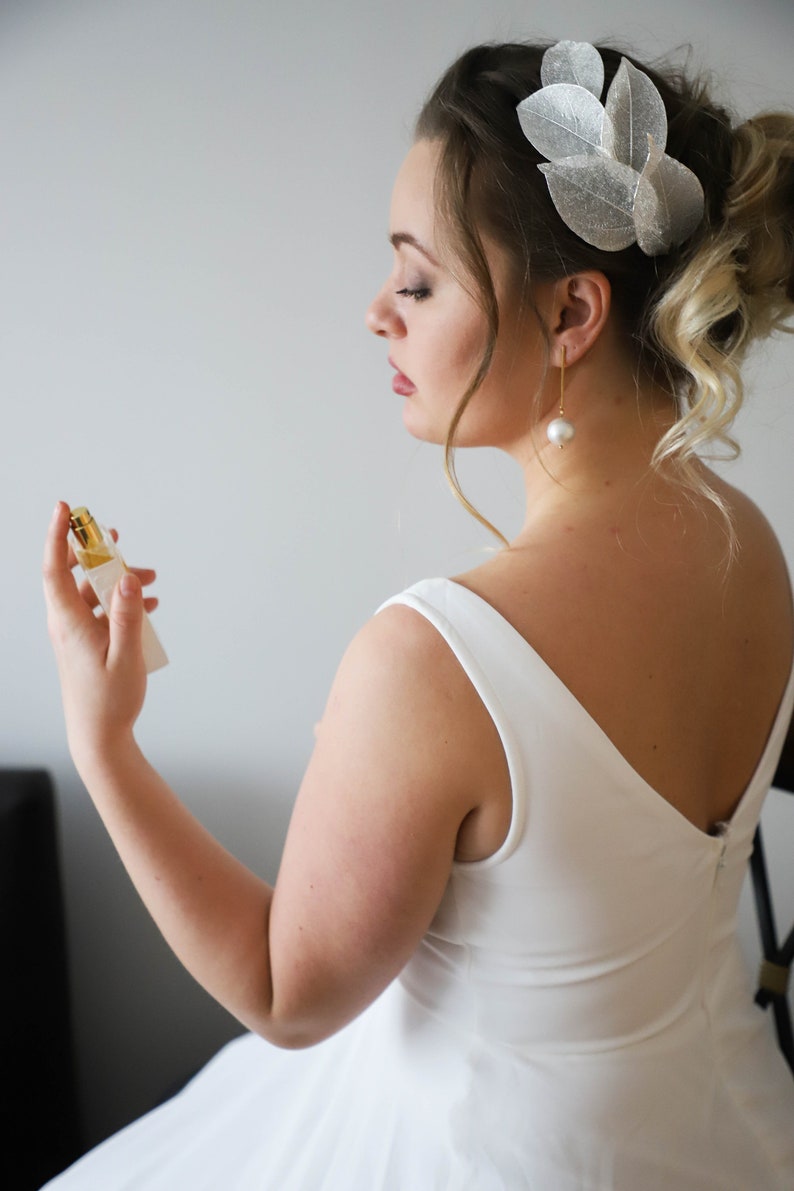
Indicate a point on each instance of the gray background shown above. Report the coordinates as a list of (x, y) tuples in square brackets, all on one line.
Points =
[(193, 217)]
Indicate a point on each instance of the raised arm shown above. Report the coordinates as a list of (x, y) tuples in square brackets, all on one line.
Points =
[(404, 751)]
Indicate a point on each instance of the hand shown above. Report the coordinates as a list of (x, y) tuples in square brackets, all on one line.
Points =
[(100, 660), (145, 575)]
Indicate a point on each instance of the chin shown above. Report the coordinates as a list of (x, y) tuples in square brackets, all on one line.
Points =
[(420, 427)]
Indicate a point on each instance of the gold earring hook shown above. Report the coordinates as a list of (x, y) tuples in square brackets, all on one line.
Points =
[(560, 431)]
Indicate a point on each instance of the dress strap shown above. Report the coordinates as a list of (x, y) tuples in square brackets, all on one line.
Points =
[(444, 604)]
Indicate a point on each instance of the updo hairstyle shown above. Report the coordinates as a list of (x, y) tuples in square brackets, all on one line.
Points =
[(688, 316)]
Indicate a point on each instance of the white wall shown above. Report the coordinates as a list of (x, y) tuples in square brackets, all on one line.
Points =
[(193, 214)]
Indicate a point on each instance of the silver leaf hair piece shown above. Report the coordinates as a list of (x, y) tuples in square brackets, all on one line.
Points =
[(608, 174)]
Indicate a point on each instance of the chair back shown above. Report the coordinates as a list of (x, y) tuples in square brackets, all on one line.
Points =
[(775, 972)]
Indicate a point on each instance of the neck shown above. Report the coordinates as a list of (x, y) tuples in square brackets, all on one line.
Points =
[(618, 424)]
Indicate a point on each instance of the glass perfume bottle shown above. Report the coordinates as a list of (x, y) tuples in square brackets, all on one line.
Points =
[(103, 565)]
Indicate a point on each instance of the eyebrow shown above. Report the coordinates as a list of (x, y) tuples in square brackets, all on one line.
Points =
[(396, 239)]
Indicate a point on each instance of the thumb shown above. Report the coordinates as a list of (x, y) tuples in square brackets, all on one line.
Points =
[(126, 616)]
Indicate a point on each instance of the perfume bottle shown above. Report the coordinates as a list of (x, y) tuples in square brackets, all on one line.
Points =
[(99, 557)]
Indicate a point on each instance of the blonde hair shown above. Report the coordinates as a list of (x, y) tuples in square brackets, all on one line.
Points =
[(741, 278), (691, 315)]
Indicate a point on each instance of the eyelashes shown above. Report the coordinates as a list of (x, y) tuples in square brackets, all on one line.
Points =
[(418, 294)]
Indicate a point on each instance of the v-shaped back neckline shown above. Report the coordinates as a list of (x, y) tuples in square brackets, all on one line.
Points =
[(724, 826)]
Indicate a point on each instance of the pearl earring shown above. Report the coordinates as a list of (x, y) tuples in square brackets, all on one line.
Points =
[(561, 431)]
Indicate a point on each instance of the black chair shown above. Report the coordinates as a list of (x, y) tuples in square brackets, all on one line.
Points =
[(775, 971), (39, 1117)]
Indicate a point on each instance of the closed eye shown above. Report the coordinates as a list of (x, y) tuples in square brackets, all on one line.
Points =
[(417, 294)]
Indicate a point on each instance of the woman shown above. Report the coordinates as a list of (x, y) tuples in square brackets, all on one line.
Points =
[(502, 932)]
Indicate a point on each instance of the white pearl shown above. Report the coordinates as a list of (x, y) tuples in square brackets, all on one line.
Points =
[(559, 432)]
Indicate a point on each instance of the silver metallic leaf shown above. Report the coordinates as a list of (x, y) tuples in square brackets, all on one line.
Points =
[(651, 213), (573, 62), (562, 121), (594, 196), (669, 204), (636, 111)]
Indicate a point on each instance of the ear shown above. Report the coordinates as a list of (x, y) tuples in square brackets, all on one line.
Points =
[(579, 314)]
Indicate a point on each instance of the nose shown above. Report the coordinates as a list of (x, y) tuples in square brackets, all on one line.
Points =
[(382, 317)]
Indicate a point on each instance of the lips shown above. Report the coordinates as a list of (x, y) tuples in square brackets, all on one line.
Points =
[(400, 382)]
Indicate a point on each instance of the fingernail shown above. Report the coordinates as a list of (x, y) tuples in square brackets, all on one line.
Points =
[(128, 586)]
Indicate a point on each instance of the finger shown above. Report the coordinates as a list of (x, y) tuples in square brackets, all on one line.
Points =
[(87, 593), (145, 574), (126, 615), (150, 604), (60, 589), (89, 596)]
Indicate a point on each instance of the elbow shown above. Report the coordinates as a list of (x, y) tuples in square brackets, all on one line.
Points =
[(299, 1018), (296, 1039), (293, 1031)]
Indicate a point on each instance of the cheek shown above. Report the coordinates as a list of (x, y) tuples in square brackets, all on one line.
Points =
[(469, 354), (460, 344)]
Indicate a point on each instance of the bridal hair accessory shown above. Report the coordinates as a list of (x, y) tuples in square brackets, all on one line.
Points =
[(608, 174), (561, 431)]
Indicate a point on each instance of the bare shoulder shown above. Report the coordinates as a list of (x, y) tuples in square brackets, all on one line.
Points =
[(401, 696), (399, 642), (760, 562), (399, 662), (751, 524)]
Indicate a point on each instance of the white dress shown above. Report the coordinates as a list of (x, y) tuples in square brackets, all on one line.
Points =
[(577, 1018)]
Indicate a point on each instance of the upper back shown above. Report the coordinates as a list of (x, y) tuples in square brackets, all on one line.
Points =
[(679, 654)]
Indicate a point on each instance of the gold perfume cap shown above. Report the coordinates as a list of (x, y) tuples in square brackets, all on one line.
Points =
[(84, 527)]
